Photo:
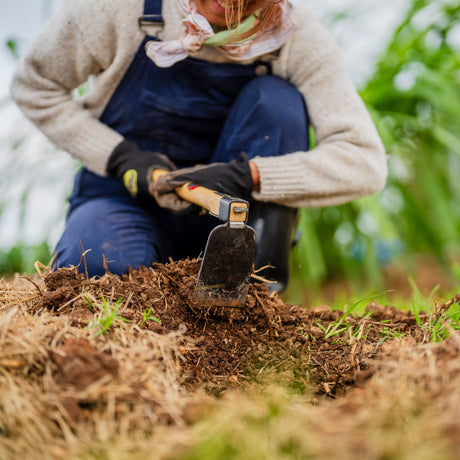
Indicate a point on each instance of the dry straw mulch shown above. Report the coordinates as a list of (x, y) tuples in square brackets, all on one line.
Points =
[(167, 383), (407, 409)]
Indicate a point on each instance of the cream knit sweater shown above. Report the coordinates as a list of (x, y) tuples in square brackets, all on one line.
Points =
[(100, 38)]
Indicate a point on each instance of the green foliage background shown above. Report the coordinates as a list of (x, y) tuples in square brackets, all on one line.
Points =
[(414, 98)]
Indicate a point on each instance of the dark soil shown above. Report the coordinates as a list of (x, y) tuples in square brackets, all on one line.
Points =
[(231, 345)]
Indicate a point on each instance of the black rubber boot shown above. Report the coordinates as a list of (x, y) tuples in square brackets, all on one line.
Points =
[(274, 226)]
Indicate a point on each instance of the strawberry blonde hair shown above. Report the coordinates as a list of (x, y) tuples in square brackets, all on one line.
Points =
[(266, 17)]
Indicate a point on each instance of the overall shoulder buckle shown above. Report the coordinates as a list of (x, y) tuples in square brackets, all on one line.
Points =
[(151, 24)]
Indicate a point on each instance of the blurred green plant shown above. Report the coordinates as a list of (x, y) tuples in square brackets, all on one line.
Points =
[(414, 99), (21, 258), (12, 45)]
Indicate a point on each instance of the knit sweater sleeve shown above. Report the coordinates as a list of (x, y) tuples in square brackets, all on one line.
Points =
[(79, 41), (349, 160)]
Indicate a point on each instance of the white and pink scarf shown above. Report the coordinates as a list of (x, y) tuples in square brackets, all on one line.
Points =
[(197, 30)]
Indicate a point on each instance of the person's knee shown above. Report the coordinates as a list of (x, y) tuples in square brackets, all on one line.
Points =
[(278, 116), (278, 99), (85, 261), (109, 234), (134, 259), (98, 261)]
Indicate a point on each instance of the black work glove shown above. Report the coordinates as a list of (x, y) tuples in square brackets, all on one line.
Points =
[(134, 167), (233, 178)]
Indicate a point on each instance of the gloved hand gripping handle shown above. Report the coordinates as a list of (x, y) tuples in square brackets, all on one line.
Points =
[(224, 207)]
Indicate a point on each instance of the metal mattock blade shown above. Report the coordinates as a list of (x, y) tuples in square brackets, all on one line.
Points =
[(227, 265)]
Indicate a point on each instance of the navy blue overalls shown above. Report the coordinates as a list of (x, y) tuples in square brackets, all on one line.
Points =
[(194, 112)]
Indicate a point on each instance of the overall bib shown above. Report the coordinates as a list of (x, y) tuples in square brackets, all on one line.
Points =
[(196, 112)]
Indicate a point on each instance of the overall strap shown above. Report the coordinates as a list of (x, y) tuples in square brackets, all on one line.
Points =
[(151, 22)]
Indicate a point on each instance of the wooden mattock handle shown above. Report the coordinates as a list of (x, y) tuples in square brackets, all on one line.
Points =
[(222, 206)]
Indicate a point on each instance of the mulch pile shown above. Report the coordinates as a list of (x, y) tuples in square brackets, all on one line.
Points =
[(229, 342)]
